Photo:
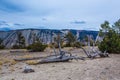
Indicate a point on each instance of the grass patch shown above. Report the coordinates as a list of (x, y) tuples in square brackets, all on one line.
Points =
[(12, 68), (7, 61), (0, 67), (27, 56), (1, 63), (13, 62), (32, 62)]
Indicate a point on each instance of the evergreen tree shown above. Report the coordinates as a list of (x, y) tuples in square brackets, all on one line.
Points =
[(58, 41), (111, 37), (71, 39), (20, 41), (116, 26), (1, 46)]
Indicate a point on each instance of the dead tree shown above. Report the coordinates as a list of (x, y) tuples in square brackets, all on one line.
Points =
[(92, 52), (61, 56)]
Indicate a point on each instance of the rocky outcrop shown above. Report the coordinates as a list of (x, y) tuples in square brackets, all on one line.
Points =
[(46, 36)]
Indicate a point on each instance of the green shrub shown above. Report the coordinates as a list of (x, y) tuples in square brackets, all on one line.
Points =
[(35, 47), (17, 47), (2, 46), (67, 45), (71, 39), (77, 44), (110, 44)]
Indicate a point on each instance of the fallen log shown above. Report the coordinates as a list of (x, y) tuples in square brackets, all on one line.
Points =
[(54, 60), (25, 59), (59, 58), (33, 58), (18, 51)]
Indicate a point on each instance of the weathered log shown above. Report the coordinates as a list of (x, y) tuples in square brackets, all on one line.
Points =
[(105, 54), (59, 59), (35, 58), (18, 51), (55, 60), (25, 59)]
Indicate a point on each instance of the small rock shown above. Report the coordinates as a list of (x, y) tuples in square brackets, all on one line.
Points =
[(69, 78), (20, 68), (106, 68), (17, 67), (12, 79), (53, 65), (64, 68), (28, 70), (104, 73), (3, 73)]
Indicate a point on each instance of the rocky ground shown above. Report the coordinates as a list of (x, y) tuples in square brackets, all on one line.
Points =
[(96, 69)]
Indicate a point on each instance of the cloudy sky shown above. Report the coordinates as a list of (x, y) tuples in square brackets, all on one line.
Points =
[(58, 14)]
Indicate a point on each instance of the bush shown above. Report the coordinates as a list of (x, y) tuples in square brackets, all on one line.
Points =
[(17, 47), (71, 39), (67, 45), (35, 47), (77, 44), (110, 44), (2, 46)]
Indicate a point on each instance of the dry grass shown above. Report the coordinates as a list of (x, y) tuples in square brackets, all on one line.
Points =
[(32, 62), (10, 62), (27, 56), (6, 61), (0, 67), (1, 63), (12, 68), (13, 62), (69, 48)]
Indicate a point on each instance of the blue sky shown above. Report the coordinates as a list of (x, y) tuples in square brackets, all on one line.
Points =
[(58, 14)]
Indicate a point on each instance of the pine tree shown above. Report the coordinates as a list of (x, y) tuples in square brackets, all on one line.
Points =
[(21, 40), (20, 43), (1, 46), (71, 39), (111, 37)]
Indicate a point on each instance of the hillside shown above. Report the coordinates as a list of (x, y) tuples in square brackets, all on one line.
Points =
[(45, 35)]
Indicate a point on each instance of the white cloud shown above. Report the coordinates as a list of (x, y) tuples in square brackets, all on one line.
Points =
[(59, 13)]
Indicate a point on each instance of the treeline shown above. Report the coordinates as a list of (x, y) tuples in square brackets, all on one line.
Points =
[(68, 40)]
